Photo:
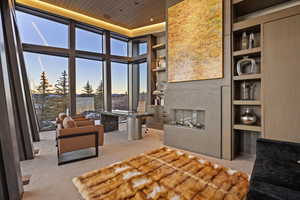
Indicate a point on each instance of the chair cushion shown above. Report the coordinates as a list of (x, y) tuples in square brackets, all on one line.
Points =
[(68, 122), (62, 116)]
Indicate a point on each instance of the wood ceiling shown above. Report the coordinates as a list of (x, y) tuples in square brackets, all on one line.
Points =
[(126, 13)]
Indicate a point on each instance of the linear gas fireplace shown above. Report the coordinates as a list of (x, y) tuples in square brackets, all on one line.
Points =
[(188, 118)]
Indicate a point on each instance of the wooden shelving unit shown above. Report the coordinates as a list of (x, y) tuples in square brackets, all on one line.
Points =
[(158, 80), (247, 127), (245, 7), (247, 103), (247, 52), (242, 133), (250, 16), (247, 77), (239, 25)]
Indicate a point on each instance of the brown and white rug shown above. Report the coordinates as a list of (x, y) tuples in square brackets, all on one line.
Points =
[(163, 174)]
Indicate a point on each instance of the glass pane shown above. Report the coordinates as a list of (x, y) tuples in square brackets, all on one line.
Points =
[(48, 77), (119, 80), (40, 31), (118, 47), (143, 73), (88, 41), (89, 88), (142, 48)]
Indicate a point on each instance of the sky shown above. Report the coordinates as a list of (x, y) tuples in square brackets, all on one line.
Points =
[(36, 30)]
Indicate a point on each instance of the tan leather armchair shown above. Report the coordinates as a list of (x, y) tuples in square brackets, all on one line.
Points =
[(85, 135)]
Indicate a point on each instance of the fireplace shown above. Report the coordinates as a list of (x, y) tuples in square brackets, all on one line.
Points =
[(188, 118)]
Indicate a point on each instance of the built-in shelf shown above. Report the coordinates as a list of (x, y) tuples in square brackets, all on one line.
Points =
[(159, 46), (160, 69), (251, 22), (247, 77), (246, 52), (247, 102), (247, 127), (244, 7), (245, 25)]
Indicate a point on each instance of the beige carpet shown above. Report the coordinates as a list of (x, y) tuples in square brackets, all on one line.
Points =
[(50, 181)]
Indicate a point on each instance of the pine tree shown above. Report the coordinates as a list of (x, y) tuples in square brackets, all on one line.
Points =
[(61, 89), (61, 86), (99, 98), (44, 89), (88, 90), (99, 90)]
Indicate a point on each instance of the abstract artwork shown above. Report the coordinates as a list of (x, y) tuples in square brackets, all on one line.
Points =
[(195, 40)]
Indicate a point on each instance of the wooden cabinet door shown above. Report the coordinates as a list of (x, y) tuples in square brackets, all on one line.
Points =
[(281, 79)]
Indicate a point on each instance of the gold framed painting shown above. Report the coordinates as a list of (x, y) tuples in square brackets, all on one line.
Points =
[(195, 40)]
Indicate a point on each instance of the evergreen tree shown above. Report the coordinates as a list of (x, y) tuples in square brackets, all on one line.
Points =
[(44, 89), (61, 86), (87, 90), (61, 89), (99, 98)]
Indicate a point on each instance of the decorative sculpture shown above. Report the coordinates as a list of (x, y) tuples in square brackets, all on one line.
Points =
[(246, 62)]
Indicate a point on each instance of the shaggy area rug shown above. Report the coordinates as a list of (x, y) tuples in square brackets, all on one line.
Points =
[(163, 174)]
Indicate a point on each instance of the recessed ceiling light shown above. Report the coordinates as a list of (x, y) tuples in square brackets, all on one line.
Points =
[(151, 19)]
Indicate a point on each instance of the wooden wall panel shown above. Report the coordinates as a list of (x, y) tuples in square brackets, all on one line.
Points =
[(281, 73)]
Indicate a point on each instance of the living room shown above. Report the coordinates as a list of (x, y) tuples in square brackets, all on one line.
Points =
[(141, 99)]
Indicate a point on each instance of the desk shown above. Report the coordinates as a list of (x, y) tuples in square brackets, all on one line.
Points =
[(134, 122)]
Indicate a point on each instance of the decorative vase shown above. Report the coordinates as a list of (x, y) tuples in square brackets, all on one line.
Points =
[(244, 41), (245, 88), (249, 117), (248, 90), (251, 41), (245, 63)]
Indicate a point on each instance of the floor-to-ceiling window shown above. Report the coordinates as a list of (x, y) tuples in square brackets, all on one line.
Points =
[(88, 41), (89, 88), (41, 31), (48, 79), (52, 54), (89, 74), (119, 47), (143, 86), (119, 86), (47, 74)]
